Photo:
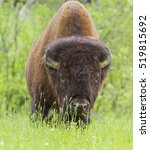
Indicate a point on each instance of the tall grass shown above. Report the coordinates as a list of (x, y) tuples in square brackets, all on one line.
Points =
[(17, 132)]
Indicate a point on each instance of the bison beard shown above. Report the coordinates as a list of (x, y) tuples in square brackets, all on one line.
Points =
[(67, 65)]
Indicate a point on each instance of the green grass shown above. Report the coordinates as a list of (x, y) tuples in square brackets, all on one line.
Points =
[(17, 132), (106, 132)]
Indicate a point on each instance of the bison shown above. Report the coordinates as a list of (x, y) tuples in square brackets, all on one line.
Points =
[(67, 65)]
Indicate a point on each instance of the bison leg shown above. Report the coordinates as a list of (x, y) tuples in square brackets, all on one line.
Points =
[(40, 107)]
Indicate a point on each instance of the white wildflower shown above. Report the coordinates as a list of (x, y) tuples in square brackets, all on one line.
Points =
[(46, 144), (53, 129), (1, 143)]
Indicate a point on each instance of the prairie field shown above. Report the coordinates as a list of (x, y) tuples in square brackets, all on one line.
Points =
[(21, 23), (104, 133)]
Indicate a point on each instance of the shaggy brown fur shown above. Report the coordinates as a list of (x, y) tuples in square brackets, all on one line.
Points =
[(71, 40)]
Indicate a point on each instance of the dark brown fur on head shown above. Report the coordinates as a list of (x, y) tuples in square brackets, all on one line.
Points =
[(79, 74), (76, 45)]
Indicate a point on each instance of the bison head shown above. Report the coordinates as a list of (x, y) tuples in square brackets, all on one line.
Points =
[(77, 67)]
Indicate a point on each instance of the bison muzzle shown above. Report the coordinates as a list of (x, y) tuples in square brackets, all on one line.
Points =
[(67, 65)]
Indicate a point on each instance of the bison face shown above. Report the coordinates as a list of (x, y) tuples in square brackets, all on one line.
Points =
[(77, 67), (78, 84)]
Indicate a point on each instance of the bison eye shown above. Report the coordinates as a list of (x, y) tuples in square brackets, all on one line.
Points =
[(63, 79), (96, 78)]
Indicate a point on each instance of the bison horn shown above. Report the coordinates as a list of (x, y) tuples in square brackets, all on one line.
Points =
[(107, 58), (53, 64), (50, 62)]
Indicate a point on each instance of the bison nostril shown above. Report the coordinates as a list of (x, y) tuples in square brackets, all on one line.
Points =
[(80, 106), (74, 104), (85, 106)]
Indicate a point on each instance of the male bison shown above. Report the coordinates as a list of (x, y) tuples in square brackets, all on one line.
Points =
[(67, 64)]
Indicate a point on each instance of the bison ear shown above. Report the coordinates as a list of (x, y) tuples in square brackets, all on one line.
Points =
[(50, 60), (106, 57)]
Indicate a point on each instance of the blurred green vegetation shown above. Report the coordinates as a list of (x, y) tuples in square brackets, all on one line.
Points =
[(20, 26), (104, 133)]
